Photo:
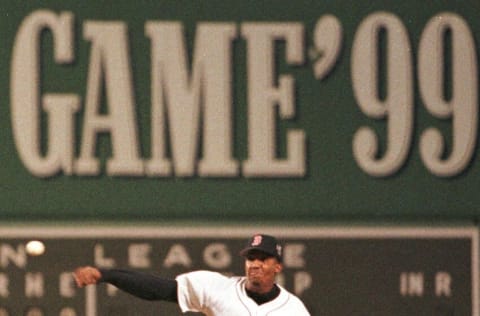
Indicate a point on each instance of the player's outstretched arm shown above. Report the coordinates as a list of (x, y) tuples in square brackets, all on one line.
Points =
[(142, 285)]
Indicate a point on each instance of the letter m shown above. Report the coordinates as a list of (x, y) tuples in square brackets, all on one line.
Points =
[(185, 100)]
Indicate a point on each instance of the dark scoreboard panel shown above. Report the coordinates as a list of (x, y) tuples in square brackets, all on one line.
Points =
[(348, 270)]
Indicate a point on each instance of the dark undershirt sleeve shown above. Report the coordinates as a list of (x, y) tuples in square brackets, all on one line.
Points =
[(142, 285)]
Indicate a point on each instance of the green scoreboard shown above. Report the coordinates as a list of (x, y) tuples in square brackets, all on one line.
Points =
[(358, 270), (313, 110)]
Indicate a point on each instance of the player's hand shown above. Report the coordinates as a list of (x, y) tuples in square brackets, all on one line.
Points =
[(86, 275)]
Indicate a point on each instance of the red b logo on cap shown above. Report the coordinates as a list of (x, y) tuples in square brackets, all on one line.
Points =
[(257, 240)]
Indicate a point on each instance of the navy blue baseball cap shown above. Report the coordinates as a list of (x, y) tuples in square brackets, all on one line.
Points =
[(264, 243)]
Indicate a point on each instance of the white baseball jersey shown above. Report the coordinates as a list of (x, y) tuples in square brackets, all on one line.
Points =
[(214, 294)]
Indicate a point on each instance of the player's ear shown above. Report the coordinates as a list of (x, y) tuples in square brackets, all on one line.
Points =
[(278, 267)]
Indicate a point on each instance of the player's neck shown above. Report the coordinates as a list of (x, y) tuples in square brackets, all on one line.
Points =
[(262, 298)]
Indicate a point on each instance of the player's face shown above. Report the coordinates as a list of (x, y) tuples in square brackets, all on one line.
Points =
[(261, 269)]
